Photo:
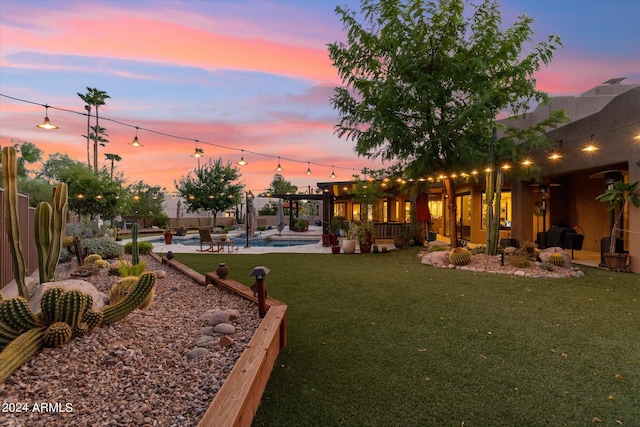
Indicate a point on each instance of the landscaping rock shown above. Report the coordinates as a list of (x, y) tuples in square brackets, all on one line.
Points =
[(99, 298), (196, 353), (205, 341), (225, 342), (207, 330), (225, 328), (215, 317)]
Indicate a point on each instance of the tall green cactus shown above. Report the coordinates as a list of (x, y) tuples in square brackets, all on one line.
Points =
[(44, 212), (10, 181), (58, 220), (134, 244), (137, 296), (20, 351)]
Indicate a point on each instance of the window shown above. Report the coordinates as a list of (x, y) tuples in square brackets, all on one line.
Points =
[(407, 211), (435, 209), (355, 212), (505, 210), (340, 209)]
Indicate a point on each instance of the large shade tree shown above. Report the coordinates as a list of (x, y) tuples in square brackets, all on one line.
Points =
[(212, 188), (423, 83), (279, 185)]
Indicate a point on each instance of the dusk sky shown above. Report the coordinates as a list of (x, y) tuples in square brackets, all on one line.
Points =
[(250, 75)]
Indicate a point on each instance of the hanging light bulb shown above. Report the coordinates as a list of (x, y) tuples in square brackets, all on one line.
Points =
[(279, 168), (135, 141), (308, 168), (47, 124), (242, 162), (333, 174)]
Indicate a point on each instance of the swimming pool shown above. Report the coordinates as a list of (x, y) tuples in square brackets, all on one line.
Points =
[(240, 241)]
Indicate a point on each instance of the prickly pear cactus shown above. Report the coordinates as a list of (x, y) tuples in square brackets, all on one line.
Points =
[(459, 256)]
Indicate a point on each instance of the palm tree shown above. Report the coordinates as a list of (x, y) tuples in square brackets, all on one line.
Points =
[(113, 158), (98, 98), (87, 100)]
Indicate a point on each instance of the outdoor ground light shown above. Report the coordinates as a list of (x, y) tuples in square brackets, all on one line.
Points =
[(46, 124), (258, 288)]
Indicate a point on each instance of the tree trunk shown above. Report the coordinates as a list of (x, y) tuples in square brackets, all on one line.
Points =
[(450, 193), (95, 143), (88, 108)]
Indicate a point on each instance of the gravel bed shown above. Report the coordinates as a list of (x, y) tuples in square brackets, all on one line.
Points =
[(133, 372)]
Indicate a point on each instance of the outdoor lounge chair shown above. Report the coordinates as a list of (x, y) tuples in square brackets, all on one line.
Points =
[(206, 239)]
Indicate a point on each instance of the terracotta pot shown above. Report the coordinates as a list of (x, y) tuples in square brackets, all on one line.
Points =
[(168, 237), (365, 248), (326, 241), (349, 246), (617, 262), (335, 249)]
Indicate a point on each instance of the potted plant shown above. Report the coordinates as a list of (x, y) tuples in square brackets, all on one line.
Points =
[(168, 236), (349, 243), (617, 196), (181, 230), (366, 235), (334, 226)]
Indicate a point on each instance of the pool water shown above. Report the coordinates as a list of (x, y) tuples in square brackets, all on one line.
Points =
[(239, 241)]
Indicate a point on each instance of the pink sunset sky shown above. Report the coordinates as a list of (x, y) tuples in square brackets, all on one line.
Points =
[(250, 75)]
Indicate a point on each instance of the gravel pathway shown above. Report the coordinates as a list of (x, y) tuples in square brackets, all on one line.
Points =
[(133, 372)]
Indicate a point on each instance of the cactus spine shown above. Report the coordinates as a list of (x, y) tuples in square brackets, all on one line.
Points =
[(16, 314), (136, 297), (19, 351), (49, 304), (57, 334), (44, 211), (71, 306), (459, 256), (9, 179), (556, 259), (60, 199), (134, 244)]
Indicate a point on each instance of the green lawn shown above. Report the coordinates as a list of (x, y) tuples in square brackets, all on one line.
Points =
[(381, 340)]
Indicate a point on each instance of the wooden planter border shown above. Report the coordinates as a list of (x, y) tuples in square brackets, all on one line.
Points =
[(238, 399)]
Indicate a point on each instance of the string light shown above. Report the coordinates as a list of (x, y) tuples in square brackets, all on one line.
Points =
[(242, 161), (555, 155), (47, 124), (279, 168)]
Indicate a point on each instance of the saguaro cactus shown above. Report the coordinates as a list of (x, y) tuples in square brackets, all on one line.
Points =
[(10, 181), (134, 244), (60, 199), (43, 236)]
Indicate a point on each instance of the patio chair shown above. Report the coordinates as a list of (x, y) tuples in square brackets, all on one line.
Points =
[(206, 239)]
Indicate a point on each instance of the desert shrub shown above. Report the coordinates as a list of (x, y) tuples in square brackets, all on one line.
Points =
[(437, 248), (478, 250), (105, 246), (546, 266), (518, 261), (143, 248)]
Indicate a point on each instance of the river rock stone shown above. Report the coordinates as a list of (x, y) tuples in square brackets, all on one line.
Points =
[(225, 328)]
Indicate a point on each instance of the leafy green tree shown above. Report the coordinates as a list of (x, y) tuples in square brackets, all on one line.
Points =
[(90, 193), (211, 188), (423, 83), (144, 205), (270, 208), (279, 185)]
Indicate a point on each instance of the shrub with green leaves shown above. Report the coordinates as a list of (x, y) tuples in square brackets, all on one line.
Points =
[(478, 250), (143, 248), (106, 247), (437, 248)]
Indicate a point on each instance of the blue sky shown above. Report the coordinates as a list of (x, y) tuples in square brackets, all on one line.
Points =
[(249, 75)]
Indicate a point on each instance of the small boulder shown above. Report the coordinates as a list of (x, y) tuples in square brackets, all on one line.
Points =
[(196, 352), (225, 328)]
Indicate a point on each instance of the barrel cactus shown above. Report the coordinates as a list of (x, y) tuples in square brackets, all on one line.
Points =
[(459, 256), (556, 259), (16, 315), (57, 334), (91, 259), (72, 305)]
